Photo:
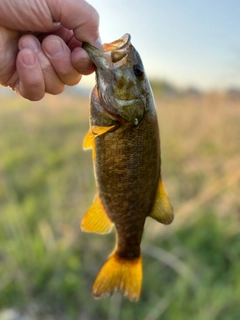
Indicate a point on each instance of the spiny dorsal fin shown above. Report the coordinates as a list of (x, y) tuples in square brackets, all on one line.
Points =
[(162, 210), (96, 219)]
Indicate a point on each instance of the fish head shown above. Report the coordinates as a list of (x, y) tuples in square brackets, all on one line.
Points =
[(122, 85)]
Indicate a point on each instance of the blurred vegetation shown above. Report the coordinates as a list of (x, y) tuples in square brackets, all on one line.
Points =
[(191, 268)]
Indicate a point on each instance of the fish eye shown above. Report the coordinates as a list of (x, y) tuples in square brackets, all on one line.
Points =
[(138, 70)]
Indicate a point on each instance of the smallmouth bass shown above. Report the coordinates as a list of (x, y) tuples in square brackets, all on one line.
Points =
[(125, 142)]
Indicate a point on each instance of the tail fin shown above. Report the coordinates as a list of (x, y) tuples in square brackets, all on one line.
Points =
[(119, 274)]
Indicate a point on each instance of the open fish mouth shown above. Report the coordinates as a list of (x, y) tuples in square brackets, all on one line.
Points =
[(121, 43), (112, 52)]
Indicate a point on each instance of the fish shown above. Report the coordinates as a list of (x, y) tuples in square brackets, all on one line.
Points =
[(125, 142)]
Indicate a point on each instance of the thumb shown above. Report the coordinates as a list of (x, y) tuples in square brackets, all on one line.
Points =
[(79, 16)]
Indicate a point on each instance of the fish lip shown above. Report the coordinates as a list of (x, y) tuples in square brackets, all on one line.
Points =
[(87, 46), (100, 58)]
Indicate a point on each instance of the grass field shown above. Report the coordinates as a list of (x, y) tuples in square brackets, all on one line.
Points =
[(47, 265)]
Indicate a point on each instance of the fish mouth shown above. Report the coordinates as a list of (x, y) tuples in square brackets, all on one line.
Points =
[(115, 45), (113, 51), (121, 43)]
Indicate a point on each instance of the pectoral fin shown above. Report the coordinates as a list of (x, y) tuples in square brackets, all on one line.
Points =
[(88, 140), (96, 219), (98, 130), (94, 132), (162, 210)]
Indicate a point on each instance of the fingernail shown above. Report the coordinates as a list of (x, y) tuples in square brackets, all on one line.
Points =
[(98, 43), (33, 44), (29, 59), (54, 48)]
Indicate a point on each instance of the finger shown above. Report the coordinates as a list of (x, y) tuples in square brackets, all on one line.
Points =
[(59, 55), (8, 54), (34, 16), (68, 37), (80, 59), (79, 16), (31, 83), (53, 84), (82, 62)]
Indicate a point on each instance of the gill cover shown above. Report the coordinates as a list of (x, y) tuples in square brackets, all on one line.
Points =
[(122, 85)]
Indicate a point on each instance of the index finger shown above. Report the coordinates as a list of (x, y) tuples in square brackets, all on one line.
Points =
[(79, 16)]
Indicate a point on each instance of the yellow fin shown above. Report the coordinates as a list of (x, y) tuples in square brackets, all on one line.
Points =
[(98, 130), (162, 210), (119, 274), (96, 219), (88, 140), (94, 132)]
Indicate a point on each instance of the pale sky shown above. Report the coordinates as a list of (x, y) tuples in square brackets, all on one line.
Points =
[(187, 42)]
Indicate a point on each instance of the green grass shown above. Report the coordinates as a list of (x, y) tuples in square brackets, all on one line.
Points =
[(47, 265)]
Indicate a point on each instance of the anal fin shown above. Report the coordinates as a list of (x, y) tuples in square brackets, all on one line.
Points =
[(162, 210), (96, 219)]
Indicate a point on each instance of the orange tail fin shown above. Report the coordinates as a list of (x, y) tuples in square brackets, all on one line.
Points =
[(119, 274)]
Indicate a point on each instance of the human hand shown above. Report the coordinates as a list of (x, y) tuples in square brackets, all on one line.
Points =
[(40, 44)]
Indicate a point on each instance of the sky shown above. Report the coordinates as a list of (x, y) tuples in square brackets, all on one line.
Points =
[(186, 42)]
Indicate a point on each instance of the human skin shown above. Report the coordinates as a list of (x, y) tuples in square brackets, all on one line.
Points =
[(40, 44)]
